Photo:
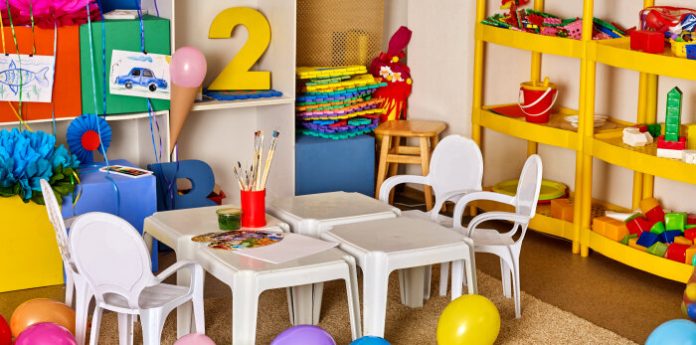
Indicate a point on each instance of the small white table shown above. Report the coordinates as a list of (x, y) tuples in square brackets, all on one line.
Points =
[(382, 246), (315, 214), (247, 277)]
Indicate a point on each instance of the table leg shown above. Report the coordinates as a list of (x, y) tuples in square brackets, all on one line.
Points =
[(375, 287), (306, 303), (245, 305), (412, 281), (457, 279)]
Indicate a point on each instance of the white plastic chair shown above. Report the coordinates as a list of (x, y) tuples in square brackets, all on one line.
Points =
[(74, 282), (456, 168), (113, 259), (504, 244)]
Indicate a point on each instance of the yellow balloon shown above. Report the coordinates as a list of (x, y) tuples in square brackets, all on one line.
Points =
[(690, 291), (470, 320)]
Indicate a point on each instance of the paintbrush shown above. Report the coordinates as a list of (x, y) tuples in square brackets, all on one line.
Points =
[(259, 155), (269, 160)]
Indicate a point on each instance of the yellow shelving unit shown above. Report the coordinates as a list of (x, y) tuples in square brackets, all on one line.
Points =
[(604, 143)]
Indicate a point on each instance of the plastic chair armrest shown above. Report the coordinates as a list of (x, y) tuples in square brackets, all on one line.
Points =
[(466, 199), (394, 181), (68, 222), (449, 196), (174, 268), (488, 216)]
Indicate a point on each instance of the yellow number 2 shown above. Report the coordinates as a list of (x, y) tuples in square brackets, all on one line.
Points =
[(237, 74)]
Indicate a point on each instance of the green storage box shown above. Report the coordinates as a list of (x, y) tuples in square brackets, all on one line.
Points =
[(120, 35)]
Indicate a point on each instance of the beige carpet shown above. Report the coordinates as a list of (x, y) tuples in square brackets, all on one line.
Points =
[(541, 323)]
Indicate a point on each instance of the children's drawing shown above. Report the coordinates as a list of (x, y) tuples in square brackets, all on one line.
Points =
[(33, 74), (140, 75)]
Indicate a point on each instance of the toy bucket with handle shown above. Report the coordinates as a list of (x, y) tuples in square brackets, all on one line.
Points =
[(536, 100)]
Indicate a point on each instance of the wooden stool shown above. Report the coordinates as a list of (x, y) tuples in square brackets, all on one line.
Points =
[(392, 152)]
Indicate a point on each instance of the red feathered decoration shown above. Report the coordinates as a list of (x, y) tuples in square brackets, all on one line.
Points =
[(390, 67)]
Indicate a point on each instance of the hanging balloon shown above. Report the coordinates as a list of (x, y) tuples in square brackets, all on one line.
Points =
[(187, 69), (87, 134)]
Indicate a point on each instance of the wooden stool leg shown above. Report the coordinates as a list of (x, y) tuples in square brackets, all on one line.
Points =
[(394, 167), (425, 166), (382, 169)]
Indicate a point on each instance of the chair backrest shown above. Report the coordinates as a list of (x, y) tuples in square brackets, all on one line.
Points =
[(202, 183), (111, 255), (456, 164), (56, 218), (528, 187)]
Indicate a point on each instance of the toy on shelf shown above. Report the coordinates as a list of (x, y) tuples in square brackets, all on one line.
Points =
[(536, 100), (660, 23), (648, 41), (666, 234), (337, 102), (689, 300), (241, 95), (637, 136), (672, 145), (528, 20), (390, 66)]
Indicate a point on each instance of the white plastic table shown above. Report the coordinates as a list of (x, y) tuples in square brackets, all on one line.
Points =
[(382, 246), (315, 214), (247, 277)]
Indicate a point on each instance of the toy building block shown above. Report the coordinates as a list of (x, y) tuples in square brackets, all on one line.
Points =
[(689, 255), (677, 252), (658, 249), (628, 237), (690, 234), (655, 129), (683, 240), (689, 156), (647, 239), (668, 236), (691, 136), (673, 154), (648, 41), (609, 228), (691, 219), (562, 209), (677, 144), (673, 114), (648, 204), (657, 214), (633, 243), (675, 221), (632, 136), (658, 228), (639, 224)]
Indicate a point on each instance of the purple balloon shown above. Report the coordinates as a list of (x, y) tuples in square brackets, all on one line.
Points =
[(195, 339), (188, 67), (45, 333), (304, 335)]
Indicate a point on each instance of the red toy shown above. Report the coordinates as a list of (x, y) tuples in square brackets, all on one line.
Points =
[(648, 41), (390, 67), (677, 252), (505, 4), (639, 225), (671, 145)]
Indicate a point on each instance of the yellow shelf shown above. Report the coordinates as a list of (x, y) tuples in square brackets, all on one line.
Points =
[(557, 132), (641, 260), (610, 148), (617, 53), (542, 222), (530, 42)]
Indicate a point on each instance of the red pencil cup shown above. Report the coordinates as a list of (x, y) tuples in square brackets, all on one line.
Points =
[(253, 209)]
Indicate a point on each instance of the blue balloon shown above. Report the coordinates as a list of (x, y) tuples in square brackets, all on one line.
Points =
[(370, 340), (673, 332), (691, 311)]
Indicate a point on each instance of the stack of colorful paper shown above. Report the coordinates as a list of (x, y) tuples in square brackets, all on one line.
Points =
[(336, 102)]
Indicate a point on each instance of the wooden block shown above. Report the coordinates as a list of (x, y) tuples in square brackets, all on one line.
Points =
[(562, 209), (658, 249), (683, 240), (633, 244), (677, 252), (690, 255), (610, 228), (648, 204)]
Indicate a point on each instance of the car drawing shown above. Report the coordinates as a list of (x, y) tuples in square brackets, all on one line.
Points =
[(141, 77)]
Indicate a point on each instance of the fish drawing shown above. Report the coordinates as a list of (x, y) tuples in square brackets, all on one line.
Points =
[(11, 77)]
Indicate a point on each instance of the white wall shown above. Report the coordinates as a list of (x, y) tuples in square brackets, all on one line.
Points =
[(441, 59)]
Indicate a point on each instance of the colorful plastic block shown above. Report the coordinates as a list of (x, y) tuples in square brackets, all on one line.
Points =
[(667, 153), (689, 156), (610, 228), (658, 228), (648, 41), (655, 129), (647, 239), (691, 218), (683, 240), (633, 243), (678, 144), (628, 237), (658, 249), (562, 209), (668, 236), (677, 252), (673, 116), (648, 204), (690, 234), (634, 137), (675, 220), (656, 214), (638, 225), (690, 255)]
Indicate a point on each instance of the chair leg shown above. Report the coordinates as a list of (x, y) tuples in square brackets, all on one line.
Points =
[(382, 169), (152, 322), (83, 297), (393, 167), (184, 311), (69, 288), (444, 277), (125, 329), (96, 322), (425, 169), (457, 278), (375, 287), (245, 305), (505, 278), (353, 299), (199, 314), (516, 277)]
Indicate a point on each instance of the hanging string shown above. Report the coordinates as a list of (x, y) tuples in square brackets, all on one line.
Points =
[(156, 8), (2, 33), (19, 59), (104, 68)]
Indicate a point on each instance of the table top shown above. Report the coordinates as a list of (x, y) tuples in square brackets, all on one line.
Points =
[(330, 207), (395, 235), (169, 227)]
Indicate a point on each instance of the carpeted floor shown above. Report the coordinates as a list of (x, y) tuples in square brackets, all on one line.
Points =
[(542, 323)]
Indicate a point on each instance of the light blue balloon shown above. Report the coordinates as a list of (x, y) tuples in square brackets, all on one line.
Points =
[(370, 340), (673, 332)]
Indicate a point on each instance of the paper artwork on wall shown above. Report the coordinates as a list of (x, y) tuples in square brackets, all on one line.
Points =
[(140, 75), (33, 73)]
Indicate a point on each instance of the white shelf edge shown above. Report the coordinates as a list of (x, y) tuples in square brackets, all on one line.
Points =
[(247, 103), (120, 117)]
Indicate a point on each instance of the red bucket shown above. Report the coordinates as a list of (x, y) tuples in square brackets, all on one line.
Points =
[(253, 208), (536, 100)]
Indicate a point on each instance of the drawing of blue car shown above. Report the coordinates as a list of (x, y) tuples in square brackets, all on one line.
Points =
[(141, 77)]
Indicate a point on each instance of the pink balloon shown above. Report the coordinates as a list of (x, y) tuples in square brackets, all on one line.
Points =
[(195, 339), (188, 67), (45, 333)]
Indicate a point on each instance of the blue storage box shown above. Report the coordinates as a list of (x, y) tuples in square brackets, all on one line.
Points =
[(326, 165), (135, 199)]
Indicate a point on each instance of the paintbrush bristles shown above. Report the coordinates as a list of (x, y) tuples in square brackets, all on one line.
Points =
[(254, 179)]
